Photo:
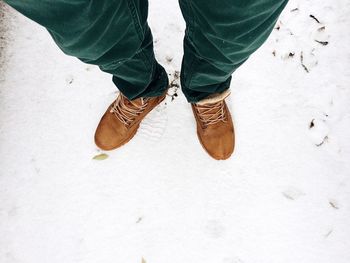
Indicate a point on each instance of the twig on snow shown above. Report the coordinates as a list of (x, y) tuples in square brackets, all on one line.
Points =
[(313, 17)]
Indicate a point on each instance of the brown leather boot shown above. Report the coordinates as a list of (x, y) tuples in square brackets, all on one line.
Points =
[(122, 119), (215, 127)]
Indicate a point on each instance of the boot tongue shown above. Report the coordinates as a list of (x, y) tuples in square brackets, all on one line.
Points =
[(135, 103)]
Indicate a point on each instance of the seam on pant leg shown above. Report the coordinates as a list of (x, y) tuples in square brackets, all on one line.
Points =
[(193, 66), (135, 18), (195, 59), (141, 35), (192, 22), (190, 36)]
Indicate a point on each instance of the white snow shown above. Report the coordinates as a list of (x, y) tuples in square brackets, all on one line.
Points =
[(284, 197)]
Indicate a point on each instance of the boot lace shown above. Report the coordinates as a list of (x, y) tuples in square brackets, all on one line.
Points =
[(126, 110), (210, 114)]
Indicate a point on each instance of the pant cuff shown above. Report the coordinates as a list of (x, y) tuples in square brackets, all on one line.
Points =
[(213, 98)]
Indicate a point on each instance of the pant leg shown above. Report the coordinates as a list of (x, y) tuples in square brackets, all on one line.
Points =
[(220, 36), (112, 34)]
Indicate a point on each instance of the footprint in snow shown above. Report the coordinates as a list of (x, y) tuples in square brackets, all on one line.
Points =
[(214, 229), (318, 131), (153, 127), (292, 193)]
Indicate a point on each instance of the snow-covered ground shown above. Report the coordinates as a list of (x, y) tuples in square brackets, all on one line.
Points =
[(284, 196)]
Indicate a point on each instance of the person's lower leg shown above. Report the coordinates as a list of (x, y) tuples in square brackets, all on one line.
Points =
[(220, 36), (111, 34)]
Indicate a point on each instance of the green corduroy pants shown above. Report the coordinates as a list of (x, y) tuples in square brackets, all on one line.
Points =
[(113, 34)]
